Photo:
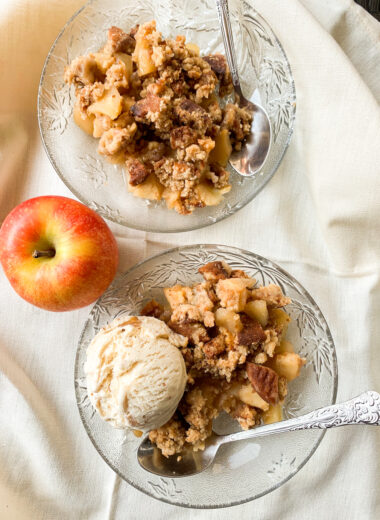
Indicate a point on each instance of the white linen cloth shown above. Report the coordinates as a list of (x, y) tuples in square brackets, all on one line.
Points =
[(319, 217)]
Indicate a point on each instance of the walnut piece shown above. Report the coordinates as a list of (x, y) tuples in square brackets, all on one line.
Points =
[(137, 172), (144, 110), (215, 346), (182, 137), (214, 271), (119, 41), (218, 63), (264, 381), (252, 332), (195, 332), (190, 113)]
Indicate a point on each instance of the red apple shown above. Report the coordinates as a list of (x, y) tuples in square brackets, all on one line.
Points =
[(57, 253)]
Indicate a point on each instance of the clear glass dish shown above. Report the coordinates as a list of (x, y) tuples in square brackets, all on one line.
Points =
[(266, 78), (242, 471)]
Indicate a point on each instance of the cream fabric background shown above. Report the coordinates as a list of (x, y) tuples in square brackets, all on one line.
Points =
[(319, 217)]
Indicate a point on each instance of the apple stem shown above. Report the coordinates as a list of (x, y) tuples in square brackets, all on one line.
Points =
[(49, 253)]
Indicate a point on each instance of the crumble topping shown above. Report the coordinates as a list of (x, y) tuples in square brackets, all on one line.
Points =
[(155, 106), (237, 358)]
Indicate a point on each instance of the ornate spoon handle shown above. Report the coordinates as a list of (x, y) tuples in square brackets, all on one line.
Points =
[(225, 26), (364, 409)]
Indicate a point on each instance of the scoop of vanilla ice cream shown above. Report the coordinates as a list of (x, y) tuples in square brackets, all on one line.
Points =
[(135, 372)]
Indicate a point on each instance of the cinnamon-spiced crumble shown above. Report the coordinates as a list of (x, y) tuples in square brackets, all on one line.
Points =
[(155, 105), (237, 357)]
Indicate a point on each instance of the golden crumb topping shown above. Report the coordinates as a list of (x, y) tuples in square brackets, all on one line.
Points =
[(237, 358), (155, 105)]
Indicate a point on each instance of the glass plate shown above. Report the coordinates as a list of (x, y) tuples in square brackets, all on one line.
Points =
[(242, 471), (266, 78)]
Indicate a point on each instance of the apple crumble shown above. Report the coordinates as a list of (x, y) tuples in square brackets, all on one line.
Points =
[(156, 106), (237, 357)]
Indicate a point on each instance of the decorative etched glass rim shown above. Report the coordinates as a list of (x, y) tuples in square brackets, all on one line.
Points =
[(217, 247), (121, 220)]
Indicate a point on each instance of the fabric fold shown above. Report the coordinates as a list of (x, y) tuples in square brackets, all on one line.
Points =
[(319, 217)]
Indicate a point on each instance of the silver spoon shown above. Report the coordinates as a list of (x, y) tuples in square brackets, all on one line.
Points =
[(255, 149), (364, 409)]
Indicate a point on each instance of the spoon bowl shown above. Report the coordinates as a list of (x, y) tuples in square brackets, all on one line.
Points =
[(255, 149), (364, 409), (250, 159), (188, 463)]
